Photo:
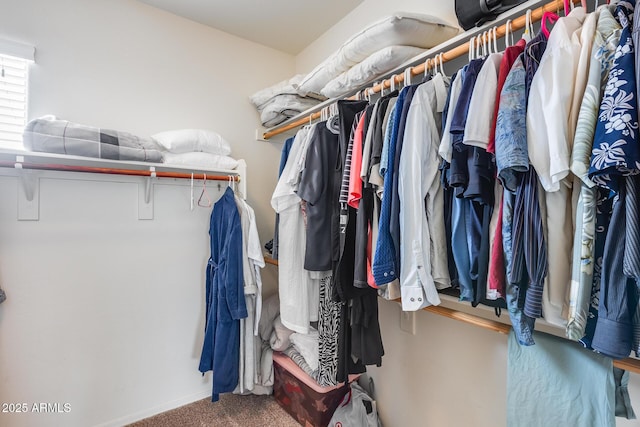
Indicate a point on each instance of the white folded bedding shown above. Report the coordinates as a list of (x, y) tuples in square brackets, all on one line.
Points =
[(405, 29), (376, 65), (307, 346), (286, 87), (283, 107), (201, 160)]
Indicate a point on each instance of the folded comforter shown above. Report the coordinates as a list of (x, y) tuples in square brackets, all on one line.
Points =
[(283, 107), (51, 135), (370, 69)]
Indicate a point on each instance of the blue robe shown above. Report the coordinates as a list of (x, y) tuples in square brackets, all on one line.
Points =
[(225, 297)]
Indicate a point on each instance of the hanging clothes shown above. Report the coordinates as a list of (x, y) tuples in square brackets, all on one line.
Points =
[(253, 261), (298, 291), (550, 133), (224, 296), (423, 256), (616, 156), (584, 293)]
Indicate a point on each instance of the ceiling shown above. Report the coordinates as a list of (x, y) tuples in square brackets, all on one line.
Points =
[(286, 25)]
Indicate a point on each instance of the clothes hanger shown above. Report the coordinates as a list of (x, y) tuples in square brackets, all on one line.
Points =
[(507, 33), (393, 83), (550, 17), (441, 60), (426, 67), (495, 39), (407, 76), (207, 202), (484, 44), (472, 48), (528, 26), (479, 47), (231, 183)]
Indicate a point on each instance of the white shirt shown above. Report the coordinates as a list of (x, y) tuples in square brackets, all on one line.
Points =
[(253, 261), (550, 142), (482, 104), (254, 256), (550, 102), (294, 283), (423, 249)]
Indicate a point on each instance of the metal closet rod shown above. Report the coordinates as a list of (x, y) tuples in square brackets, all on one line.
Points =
[(113, 171), (516, 24)]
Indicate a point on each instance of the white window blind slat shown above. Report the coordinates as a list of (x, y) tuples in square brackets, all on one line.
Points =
[(13, 98)]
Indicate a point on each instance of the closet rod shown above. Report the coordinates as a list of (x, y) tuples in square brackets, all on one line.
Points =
[(113, 171), (270, 260), (460, 50)]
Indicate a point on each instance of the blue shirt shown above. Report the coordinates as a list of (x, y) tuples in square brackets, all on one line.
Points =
[(615, 146), (385, 262)]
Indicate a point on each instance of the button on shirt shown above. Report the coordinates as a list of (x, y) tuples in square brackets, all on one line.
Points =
[(423, 249)]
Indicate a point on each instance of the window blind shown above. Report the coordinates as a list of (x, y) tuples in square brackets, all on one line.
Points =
[(13, 100), (14, 69)]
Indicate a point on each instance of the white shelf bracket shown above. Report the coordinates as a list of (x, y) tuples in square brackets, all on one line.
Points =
[(29, 193), (259, 135), (145, 196)]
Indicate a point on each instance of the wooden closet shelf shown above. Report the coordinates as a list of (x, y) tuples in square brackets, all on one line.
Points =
[(629, 364)]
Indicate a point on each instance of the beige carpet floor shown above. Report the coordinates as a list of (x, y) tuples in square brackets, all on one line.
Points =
[(230, 411)]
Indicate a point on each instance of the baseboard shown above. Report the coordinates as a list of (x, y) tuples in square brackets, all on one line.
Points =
[(156, 410)]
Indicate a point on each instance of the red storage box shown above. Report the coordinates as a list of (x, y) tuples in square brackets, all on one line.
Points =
[(299, 394)]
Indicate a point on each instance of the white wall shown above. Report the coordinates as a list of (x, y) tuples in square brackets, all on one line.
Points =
[(104, 311), (449, 374)]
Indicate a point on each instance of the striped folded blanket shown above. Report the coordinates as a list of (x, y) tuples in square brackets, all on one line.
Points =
[(51, 135)]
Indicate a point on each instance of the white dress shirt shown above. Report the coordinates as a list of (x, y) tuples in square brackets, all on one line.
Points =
[(550, 141), (550, 102), (423, 249)]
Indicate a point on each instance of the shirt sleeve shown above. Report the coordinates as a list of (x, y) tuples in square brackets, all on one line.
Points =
[(233, 272), (311, 182)]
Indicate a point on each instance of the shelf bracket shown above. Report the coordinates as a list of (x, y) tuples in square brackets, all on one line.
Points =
[(29, 193), (145, 196)]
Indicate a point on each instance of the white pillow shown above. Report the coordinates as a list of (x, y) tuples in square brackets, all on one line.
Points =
[(188, 140), (371, 68), (201, 160), (402, 28)]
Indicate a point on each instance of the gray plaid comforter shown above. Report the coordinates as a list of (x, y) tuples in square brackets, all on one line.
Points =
[(64, 137)]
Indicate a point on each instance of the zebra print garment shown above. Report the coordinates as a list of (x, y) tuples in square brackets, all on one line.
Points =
[(328, 328)]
